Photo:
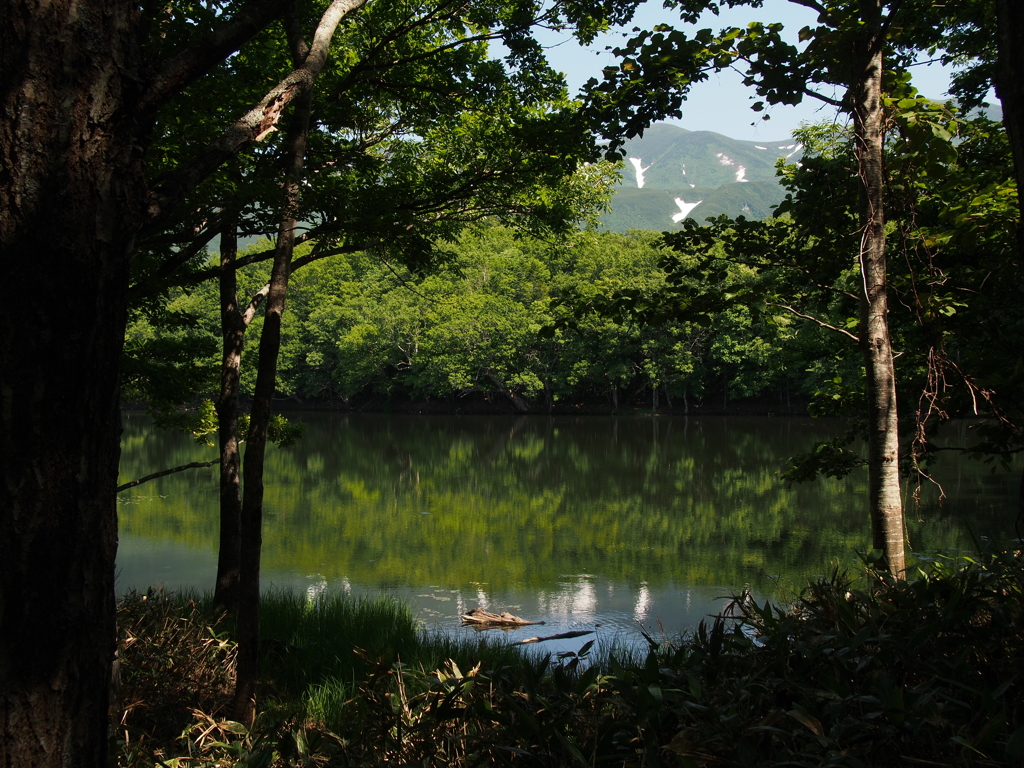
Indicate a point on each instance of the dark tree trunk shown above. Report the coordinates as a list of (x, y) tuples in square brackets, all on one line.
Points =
[(247, 673), (518, 402), (71, 190), (885, 501), (232, 339), (1009, 84)]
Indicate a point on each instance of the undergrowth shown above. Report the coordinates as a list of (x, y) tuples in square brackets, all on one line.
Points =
[(926, 671)]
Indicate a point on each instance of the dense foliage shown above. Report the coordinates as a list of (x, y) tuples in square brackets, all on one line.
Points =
[(501, 319)]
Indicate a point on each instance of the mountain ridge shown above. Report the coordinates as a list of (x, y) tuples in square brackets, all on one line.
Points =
[(671, 173)]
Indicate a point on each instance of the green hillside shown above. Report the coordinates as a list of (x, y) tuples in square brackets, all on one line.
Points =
[(754, 201), (679, 168)]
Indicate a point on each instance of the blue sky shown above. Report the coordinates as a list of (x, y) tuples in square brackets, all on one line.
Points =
[(721, 104)]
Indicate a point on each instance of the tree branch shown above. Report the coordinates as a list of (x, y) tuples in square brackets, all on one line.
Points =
[(190, 251), (814, 6), (165, 472), (822, 323), (189, 65), (253, 126), (254, 304), (820, 97)]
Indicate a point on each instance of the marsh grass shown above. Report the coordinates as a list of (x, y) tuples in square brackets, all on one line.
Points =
[(872, 672), (309, 641)]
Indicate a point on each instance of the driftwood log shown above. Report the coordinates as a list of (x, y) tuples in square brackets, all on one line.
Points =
[(478, 617), (561, 636)]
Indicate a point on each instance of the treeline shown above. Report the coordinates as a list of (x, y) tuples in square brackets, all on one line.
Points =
[(507, 320)]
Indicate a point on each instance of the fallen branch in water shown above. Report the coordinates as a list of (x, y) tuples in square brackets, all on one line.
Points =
[(561, 636), (481, 618)]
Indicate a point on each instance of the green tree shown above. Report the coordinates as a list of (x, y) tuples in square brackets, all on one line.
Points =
[(852, 47), (82, 86)]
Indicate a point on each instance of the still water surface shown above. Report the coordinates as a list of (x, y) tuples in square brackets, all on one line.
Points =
[(611, 523)]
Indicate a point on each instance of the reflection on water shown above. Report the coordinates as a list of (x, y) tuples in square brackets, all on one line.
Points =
[(579, 522)]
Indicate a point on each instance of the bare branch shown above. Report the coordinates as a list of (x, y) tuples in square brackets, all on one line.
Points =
[(165, 472), (838, 104), (822, 323), (815, 6)]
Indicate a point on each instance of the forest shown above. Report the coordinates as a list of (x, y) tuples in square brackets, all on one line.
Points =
[(427, 191), (533, 323), (363, 335)]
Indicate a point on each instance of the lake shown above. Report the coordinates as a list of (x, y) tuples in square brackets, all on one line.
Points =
[(601, 522)]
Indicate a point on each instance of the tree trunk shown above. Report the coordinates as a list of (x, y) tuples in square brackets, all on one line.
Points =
[(232, 325), (71, 190), (518, 402), (1010, 89), (256, 444), (885, 503)]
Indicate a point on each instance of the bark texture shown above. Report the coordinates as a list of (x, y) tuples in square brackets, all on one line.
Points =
[(71, 190), (72, 196), (883, 428)]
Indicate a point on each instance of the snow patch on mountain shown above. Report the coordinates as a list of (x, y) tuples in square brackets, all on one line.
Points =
[(684, 209), (741, 172), (637, 164), (758, 146), (796, 149)]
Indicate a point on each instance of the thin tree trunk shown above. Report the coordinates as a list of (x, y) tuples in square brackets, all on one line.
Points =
[(256, 444), (312, 59), (885, 501), (225, 595), (71, 192)]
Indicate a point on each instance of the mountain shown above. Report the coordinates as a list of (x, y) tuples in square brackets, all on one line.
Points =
[(671, 173)]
